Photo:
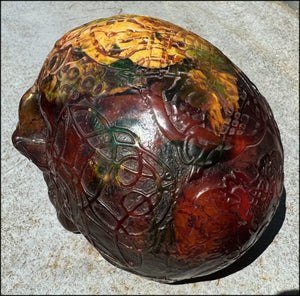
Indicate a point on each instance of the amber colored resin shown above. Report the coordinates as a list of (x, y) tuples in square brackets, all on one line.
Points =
[(154, 146)]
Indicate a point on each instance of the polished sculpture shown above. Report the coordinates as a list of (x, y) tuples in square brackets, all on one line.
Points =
[(154, 146)]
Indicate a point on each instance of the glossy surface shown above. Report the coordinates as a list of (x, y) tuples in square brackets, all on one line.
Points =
[(154, 146)]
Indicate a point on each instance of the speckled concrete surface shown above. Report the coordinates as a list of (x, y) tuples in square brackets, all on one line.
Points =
[(40, 257)]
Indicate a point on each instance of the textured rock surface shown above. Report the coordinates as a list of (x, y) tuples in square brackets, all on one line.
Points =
[(38, 255)]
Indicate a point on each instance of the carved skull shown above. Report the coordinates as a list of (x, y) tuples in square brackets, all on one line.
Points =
[(154, 146)]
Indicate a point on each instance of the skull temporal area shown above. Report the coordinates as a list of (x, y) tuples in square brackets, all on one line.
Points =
[(154, 146)]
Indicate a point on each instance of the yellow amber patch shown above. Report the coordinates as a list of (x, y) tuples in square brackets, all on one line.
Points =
[(146, 41), (220, 93), (154, 44)]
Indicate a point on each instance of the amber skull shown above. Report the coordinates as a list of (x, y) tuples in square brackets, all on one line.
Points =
[(154, 146)]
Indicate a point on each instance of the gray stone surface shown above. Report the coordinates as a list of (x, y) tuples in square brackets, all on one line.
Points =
[(38, 256)]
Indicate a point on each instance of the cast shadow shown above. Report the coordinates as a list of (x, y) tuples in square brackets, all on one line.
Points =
[(254, 252), (289, 292)]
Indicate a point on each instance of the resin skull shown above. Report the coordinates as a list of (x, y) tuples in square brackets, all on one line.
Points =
[(154, 146)]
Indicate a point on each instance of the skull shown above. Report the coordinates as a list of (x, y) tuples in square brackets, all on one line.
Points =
[(167, 159)]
